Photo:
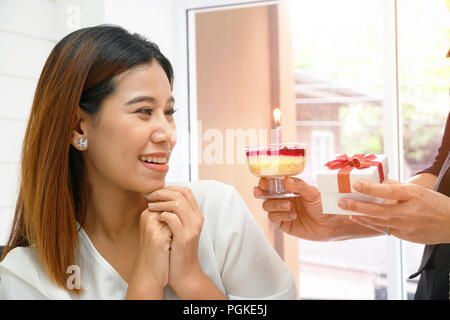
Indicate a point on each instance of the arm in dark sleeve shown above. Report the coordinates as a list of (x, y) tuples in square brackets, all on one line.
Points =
[(442, 152)]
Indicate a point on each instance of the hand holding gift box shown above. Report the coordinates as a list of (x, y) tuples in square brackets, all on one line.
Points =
[(406, 208), (336, 178)]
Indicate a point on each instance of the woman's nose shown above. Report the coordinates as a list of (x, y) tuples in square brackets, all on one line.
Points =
[(164, 132)]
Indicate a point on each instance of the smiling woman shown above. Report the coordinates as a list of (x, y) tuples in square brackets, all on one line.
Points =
[(93, 197)]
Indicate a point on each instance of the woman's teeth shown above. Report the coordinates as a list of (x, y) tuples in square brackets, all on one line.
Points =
[(160, 160)]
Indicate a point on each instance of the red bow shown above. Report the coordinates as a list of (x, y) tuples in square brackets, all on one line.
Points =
[(346, 165)]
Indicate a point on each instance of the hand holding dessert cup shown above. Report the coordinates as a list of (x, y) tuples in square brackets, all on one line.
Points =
[(292, 204), (275, 162)]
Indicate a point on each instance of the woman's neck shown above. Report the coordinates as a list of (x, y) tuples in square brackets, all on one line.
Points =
[(113, 213)]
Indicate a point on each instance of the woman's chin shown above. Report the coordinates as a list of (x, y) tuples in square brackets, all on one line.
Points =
[(152, 186)]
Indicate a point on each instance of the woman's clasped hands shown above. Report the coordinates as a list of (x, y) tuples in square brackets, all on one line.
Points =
[(169, 236)]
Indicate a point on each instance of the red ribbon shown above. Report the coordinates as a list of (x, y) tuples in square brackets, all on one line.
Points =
[(346, 165)]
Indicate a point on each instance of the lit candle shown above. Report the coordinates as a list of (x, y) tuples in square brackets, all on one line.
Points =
[(277, 116)]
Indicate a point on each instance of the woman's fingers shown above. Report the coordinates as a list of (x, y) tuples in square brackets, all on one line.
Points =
[(189, 196), (173, 221), (149, 217), (149, 221), (174, 193), (160, 195), (173, 201), (174, 207)]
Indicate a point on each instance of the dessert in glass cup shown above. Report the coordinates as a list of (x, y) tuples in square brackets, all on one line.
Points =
[(275, 162)]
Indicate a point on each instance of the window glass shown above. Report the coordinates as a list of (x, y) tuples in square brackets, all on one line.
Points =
[(424, 73), (338, 56)]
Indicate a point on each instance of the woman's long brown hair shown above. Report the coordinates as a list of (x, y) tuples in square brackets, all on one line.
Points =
[(53, 193)]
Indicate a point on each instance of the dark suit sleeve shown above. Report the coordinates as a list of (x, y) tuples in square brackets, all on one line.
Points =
[(435, 168)]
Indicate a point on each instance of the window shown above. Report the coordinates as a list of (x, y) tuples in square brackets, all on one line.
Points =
[(424, 75), (338, 61), (357, 78), (322, 147)]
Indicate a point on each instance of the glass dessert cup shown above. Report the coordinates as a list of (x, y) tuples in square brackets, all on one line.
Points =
[(275, 162)]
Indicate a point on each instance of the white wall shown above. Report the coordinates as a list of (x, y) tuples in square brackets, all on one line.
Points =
[(160, 22), (26, 38), (29, 29)]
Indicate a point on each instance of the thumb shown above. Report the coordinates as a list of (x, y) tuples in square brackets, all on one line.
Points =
[(304, 190)]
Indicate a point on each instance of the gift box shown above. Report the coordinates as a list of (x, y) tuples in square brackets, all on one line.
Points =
[(336, 178)]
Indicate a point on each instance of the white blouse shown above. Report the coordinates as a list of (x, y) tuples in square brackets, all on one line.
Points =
[(233, 251)]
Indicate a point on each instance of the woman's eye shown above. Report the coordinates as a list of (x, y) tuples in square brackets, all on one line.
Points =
[(171, 111), (146, 111)]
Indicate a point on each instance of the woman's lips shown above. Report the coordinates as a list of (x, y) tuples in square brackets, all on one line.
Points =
[(160, 167)]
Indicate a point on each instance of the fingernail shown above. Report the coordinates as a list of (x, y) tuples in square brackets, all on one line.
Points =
[(357, 187), (150, 205), (292, 216), (342, 204)]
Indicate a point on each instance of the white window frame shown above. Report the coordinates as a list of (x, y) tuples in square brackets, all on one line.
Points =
[(319, 138), (186, 11)]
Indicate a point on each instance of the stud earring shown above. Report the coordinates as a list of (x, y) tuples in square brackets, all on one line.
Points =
[(82, 143)]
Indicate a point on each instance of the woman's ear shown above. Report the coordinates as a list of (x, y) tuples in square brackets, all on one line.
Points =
[(80, 132)]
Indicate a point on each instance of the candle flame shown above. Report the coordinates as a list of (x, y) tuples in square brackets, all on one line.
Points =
[(277, 115)]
